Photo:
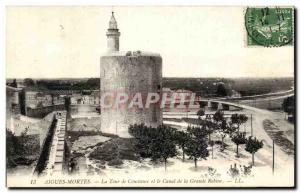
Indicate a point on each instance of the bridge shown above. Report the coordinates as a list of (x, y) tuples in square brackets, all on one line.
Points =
[(267, 101), (272, 102)]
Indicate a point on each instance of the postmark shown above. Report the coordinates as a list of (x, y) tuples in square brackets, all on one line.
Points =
[(269, 26)]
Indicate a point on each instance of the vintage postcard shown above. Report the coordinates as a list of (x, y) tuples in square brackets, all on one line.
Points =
[(102, 96)]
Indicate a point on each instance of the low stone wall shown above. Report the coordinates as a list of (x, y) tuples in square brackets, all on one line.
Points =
[(43, 111), (83, 109), (44, 155)]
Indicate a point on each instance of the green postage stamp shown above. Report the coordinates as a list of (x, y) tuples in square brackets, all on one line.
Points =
[(269, 26)]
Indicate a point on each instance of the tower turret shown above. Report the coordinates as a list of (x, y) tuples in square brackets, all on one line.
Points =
[(113, 35)]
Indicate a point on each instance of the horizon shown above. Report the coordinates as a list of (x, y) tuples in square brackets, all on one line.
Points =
[(250, 77), (70, 78)]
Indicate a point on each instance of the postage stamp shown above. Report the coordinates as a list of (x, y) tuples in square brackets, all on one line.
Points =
[(269, 26)]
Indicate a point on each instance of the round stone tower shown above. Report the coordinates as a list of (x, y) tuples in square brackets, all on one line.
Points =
[(133, 74)]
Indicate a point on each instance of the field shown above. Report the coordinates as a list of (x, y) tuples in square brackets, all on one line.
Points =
[(245, 86)]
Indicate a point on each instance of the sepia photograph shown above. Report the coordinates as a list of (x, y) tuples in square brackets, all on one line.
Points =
[(150, 97)]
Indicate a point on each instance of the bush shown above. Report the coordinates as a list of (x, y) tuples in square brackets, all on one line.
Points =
[(116, 148), (21, 150), (115, 162)]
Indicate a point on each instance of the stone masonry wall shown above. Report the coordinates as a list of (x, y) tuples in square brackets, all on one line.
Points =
[(130, 74)]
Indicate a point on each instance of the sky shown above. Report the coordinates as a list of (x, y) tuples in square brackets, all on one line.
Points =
[(67, 42)]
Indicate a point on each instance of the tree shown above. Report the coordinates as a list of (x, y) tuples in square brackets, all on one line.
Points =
[(252, 146), (288, 105), (163, 146), (208, 125), (224, 131), (212, 143), (196, 146), (93, 83), (155, 143), (238, 139), (42, 83), (222, 127), (197, 132), (15, 148), (14, 83), (181, 138), (24, 133), (196, 149), (221, 89), (218, 117), (200, 112), (12, 144), (28, 82), (238, 120), (143, 136)]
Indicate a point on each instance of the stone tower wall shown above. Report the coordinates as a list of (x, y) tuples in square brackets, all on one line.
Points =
[(113, 43), (130, 74)]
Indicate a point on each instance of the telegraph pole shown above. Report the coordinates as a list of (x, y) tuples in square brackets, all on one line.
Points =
[(273, 156), (251, 126), (212, 150)]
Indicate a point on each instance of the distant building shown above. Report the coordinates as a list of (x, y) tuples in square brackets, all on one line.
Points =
[(13, 99), (13, 106), (58, 99), (86, 98), (182, 93), (76, 99), (36, 99), (39, 103), (235, 94)]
